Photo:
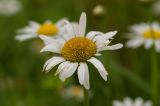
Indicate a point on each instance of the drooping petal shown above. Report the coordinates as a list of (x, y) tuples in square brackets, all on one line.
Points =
[(86, 82), (82, 24), (92, 34), (81, 71), (68, 71), (101, 40), (102, 71), (52, 62), (62, 67), (112, 47), (105, 36)]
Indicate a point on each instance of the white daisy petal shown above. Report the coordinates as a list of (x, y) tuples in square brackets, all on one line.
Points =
[(61, 22), (117, 103), (157, 45), (81, 72), (69, 30), (34, 24), (75, 27), (138, 102), (134, 43), (61, 67), (86, 82), (112, 47), (98, 54), (92, 34), (101, 40), (53, 62), (53, 47), (46, 39), (127, 102), (68, 71), (82, 24), (148, 43), (148, 103), (99, 67), (27, 30), (24, 37)]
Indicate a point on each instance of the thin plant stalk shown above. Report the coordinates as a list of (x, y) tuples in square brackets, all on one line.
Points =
[(86, 97), (154, 77)]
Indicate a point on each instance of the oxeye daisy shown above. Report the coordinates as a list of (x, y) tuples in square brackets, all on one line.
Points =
[(145, 34), (76, 49), (34, 29), (129, 102)]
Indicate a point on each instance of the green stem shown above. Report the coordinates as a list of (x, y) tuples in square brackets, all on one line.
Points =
[(86, 97), (154, 77)]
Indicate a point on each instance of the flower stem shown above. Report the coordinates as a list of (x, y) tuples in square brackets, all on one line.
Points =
[(154, 77), (86, 97)]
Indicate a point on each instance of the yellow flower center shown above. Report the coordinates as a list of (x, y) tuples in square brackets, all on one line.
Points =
[(78, 49), (47, 29), (152, 34)]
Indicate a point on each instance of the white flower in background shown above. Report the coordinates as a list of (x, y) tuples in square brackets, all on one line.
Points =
[(76, 50), (73, 92), (129, 102), (156, 7), (99, 10), (145, 34), (34, 29), (9, 7)]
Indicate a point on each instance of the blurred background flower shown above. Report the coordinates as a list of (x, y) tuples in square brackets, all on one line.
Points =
[(129, 102), (9, 7)]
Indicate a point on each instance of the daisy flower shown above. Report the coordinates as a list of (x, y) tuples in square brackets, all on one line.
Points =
[(145, 34), (34, 29), (129, 102), (9, 7), (76, 49)]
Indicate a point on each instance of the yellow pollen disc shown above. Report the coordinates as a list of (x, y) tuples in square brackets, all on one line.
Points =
[(78, 49), (153, 34), (47, 29)]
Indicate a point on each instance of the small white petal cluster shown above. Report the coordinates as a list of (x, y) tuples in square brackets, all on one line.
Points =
[(129, 102), (67, 68), (9, 7), (137, 36)]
